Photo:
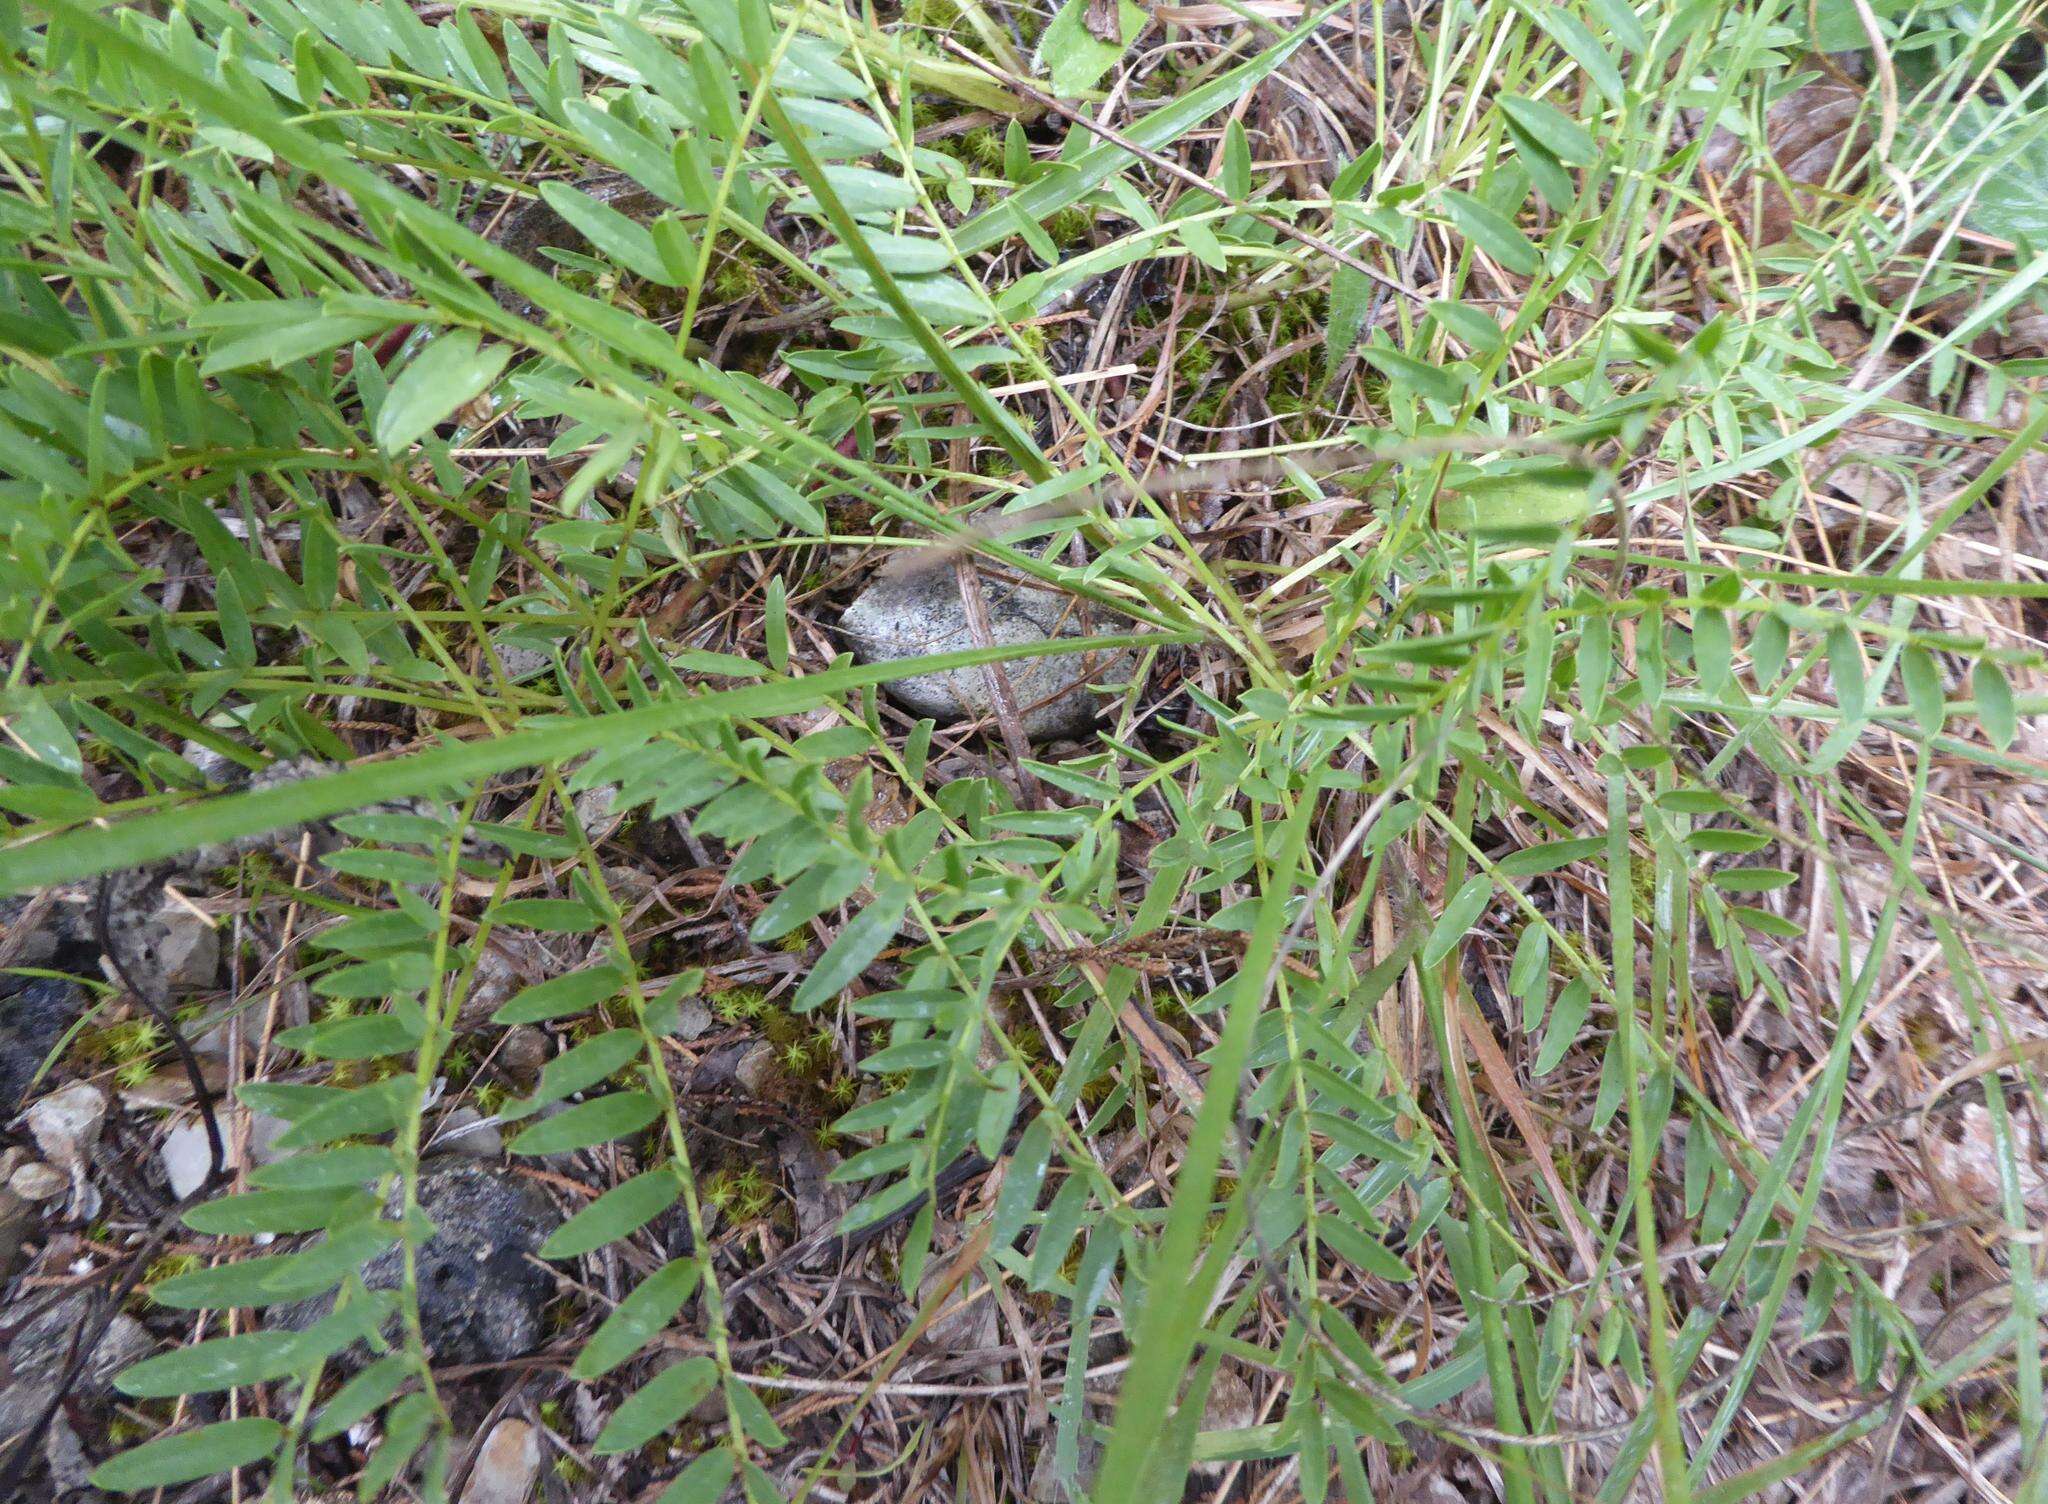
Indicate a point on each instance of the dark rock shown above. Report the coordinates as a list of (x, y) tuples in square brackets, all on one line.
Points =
[(33, 1018), (158, 945), (480, 1290), (18, 1224), (61, 930), (41, 1349)]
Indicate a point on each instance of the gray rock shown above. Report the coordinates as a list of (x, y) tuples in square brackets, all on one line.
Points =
[(1045, 1487), (171, 950), (522, 662), (693, 1019), (468, 1132), (187, 1155), (910, 615), (808, 1170), (36, 1181), (66, 1123), (70, 1469), (480, 1291), (37, 1356), (33, 1019), (18, 1223), (594, 811), (214, 767), (755, 1070), (250, 1138)]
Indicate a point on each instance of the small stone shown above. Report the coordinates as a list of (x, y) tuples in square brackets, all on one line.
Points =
[(755, 1070), (186, 946), (36, 1181), (594, 811), (693, 1019), (33, 1018), (1045, 1486), (508, 964), (591, 1414), (70, 1468), (523, 1053), (912, 615), (214, 767), (480, 1289), (187, 1155), (506, 1467), (628, 885), (67, 1122), (808, 1169), (264, 1132), (1230, 1406), (250, 1138), (466, 1131), (522, 662)]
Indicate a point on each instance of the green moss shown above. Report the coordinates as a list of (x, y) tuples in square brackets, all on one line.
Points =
[(1204, 410), (738, 1004), (1194, 359), (123, 1043), (742, 1192), (982, 147), (123, 1432), (170, 1266), (1034, 338), (1307, 313), (1990, 1415), (934, 15), (734, 279), (1069, 226), (779, 1028)]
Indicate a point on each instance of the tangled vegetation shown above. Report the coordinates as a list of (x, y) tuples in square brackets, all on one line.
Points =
[(1529, 986)]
